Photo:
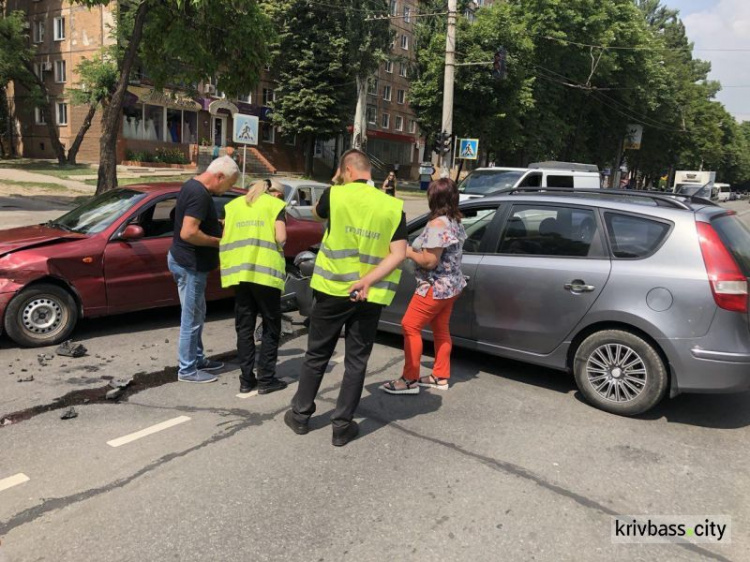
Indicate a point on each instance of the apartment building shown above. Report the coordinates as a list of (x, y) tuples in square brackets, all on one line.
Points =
[(63, 34)]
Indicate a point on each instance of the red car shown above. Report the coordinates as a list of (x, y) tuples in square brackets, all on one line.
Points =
[(107, 256)]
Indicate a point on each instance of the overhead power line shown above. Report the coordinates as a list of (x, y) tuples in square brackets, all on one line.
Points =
[(638, 47)]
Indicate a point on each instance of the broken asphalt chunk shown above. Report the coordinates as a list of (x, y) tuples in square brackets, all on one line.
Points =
[(114, 394), (70, 349), (120, 383), (30, 378), (69, 414)]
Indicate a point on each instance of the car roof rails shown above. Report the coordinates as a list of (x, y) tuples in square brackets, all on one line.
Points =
[(674, 200), (568, 166)]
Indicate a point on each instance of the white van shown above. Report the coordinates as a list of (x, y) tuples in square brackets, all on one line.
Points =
[(486, 181), (724, 191)]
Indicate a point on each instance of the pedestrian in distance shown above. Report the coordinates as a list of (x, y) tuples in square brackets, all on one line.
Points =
[(389, 184), (356, 275), (437, 253), (252, 261), (194, 253)]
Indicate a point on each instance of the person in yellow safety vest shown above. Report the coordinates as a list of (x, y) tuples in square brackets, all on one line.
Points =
[(252, 261), (356, 274)]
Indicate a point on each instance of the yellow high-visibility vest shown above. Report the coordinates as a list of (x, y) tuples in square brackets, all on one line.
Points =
[(249, 251), (363, 221)]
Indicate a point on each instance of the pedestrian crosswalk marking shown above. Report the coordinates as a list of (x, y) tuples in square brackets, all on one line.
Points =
[(148, 431)]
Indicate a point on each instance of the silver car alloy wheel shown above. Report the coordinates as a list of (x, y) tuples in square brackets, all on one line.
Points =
[(616, 372), (42, 315)]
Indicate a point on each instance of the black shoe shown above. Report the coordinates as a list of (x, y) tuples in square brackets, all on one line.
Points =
[(248, 386), (272, 386), (343, 436), (294, 425)]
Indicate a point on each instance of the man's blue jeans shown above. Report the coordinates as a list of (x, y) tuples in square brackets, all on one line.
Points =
[(191, 286)]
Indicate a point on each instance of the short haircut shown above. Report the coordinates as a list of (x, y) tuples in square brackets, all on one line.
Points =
[(224, 165), (357, 160)]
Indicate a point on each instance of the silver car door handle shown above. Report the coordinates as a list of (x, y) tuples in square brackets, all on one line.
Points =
[(579, 287)]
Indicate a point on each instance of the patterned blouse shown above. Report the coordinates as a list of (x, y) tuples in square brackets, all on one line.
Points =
[(446, 279)]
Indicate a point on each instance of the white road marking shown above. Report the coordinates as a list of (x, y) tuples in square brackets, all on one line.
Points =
[(148, 431), (248, 394), (14, 480)]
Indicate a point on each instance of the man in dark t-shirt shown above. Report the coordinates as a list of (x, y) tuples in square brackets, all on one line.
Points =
[(195, 252)]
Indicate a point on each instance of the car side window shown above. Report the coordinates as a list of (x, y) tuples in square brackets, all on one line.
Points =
[(559, 181), (540, 230), (158, 220), (634, 237), (476, 223), (532, 180), (220, 202)]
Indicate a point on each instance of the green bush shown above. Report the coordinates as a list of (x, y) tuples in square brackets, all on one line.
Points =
[(162, 155)]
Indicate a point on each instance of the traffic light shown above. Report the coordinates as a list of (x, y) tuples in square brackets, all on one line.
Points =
[(443, 143), (499, 64)]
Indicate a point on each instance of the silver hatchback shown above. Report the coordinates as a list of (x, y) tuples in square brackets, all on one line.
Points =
[(637, 294)]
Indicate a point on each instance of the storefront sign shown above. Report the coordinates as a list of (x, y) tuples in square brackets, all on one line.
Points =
[(165, 98)]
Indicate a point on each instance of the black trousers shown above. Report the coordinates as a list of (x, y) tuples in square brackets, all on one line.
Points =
[(329, 315), (250, 300)]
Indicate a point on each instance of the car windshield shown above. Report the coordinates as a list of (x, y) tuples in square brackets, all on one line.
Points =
[(692, 190), (100, 212), (482, 182)]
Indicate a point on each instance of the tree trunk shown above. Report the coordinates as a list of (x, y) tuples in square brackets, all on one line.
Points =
[(112, 115), (85, 126), (310, 156)]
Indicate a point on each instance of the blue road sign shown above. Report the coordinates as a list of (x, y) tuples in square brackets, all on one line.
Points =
[(245, 129), (468, 149)]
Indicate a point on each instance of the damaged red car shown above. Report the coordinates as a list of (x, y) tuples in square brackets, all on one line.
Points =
[(108, 256)]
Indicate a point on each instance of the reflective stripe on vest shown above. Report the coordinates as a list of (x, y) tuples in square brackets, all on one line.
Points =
[(248, 250), (363, 221)]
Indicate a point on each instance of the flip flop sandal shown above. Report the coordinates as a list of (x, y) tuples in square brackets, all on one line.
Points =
[(412, 387), (434, 383)]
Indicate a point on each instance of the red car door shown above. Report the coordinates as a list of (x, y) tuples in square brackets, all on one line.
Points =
[(136, 275)]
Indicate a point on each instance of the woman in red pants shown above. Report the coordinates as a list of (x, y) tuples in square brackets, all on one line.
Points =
[(437, 253)]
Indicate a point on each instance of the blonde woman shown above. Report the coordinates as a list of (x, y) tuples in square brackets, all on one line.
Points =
[(252, 261)]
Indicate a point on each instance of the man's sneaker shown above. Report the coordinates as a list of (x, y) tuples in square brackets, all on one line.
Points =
[(209, 365), (272, 386), (198, 377), (294, 425), (246, 387), (343, 436)]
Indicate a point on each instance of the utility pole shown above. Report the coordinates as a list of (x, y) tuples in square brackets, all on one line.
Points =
[(450, 73)]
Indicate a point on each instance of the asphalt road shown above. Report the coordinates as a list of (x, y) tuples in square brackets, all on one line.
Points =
[(509, 464)]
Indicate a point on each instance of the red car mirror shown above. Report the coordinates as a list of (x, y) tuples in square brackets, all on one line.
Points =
[(132, 232)]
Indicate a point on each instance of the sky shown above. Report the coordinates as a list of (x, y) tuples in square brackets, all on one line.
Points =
[(722, 24)]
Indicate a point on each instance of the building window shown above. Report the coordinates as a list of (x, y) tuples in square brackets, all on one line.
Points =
[(247, 98), (132, 122), (393, 10), (387, 93), (289, 140), (412, 126), (389, 66), (267, 132), (61, 74), (405, 42), (372, 86), (399, 125), (372, 115), (269, 96), (402, 70), (38, 32), (38, 72), (385, 121), (401, 96), (407, 14), (39, 116), (153, 128), (59, 29), (62, 113)]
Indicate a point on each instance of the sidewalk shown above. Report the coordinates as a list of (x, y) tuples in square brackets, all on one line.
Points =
[(16, 175)]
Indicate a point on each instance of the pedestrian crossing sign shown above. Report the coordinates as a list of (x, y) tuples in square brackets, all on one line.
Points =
[(468, 149), (245, 129)]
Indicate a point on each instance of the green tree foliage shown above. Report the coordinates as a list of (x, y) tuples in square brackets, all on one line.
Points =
[(181, 42), (579, 72)]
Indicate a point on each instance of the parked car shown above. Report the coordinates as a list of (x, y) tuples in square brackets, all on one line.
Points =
[(638, 294), (105, 257), (696, 190), (492, 181), (303, 195)]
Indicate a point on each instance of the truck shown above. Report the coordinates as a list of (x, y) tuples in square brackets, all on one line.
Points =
[(695, 183), (723, 192)]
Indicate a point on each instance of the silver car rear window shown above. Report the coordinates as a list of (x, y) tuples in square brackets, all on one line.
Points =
[(736, 238), (633, 236)]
